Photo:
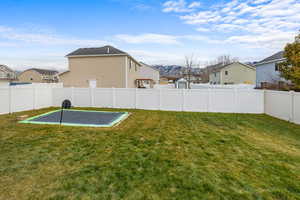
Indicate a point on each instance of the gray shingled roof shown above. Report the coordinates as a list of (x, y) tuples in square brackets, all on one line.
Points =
[(44, 71), (106, 50), (276, 56)]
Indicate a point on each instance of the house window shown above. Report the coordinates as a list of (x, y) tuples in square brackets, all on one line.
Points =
[(276, 67), (129, 64), (31, 79), (215, 74), (226, 72)]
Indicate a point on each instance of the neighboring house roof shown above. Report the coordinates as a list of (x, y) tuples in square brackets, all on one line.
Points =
[(43, 71), (219, 67), (11, 74), (149, 66), (100, 51), (275, 57), (65, 72)]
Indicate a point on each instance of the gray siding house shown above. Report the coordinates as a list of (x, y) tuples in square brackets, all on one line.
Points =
[(267, 70)]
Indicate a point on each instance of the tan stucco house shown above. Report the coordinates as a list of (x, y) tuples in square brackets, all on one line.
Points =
[(7, 75), (35, 75), (148, 76), (103, 67), (233, 73)]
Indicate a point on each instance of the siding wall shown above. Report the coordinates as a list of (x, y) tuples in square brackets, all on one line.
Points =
[(267, 73)]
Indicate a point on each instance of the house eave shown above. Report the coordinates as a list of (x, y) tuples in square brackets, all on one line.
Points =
[(271, 61), (101, 55)]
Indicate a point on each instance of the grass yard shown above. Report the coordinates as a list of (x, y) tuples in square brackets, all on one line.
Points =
[(152, 155)]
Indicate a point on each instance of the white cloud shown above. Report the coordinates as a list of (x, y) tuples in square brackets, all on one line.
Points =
[(148, 38), (202, 29), (180, 6), (158, 57), (45, 39), (194, 4), (250, 22)]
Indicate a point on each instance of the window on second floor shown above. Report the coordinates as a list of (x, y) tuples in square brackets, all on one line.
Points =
[(276, 67), (226, 72), (215, 74)]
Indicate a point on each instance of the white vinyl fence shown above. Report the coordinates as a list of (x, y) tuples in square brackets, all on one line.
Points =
[(205, 100), (283, 105)]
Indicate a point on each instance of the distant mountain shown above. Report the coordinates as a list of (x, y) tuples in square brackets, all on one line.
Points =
[(174, 70)]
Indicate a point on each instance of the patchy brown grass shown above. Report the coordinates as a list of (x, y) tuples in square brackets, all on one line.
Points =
[(152, 155)]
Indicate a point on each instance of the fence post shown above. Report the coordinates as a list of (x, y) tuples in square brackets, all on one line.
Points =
[(72, 96), (136, 98), (236, 100), (292, 96), (182, 100), (9, 99), (265, 101), (209, 100), (92, 97), (113, 97), (51, 96), (34, 97), (159, 99)]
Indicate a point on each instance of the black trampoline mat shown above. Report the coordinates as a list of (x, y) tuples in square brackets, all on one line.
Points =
[(79, 118)]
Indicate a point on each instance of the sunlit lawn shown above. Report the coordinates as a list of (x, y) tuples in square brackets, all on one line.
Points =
[(152, 155)]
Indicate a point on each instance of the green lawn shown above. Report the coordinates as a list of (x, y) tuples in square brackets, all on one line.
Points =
[(152, 155)]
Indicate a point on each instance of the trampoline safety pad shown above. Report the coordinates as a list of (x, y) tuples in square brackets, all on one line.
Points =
[(85, 118)]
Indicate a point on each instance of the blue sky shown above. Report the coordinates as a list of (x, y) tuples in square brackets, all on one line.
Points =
[(40, 33)]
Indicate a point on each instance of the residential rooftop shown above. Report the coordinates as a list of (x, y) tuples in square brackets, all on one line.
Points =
[(106, 50)]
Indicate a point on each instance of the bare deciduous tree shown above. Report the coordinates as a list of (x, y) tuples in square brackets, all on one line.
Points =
[(190, 62)]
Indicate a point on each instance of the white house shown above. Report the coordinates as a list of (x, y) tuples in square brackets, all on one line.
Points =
[(267, 70), (6, 75)]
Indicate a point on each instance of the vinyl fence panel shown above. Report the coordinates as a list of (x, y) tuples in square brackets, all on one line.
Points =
[(22, 99), (172, 99), (81, 97), (148, 99), (103, 97), (4, 100), (297, 108), (124, 98), (278, 104), (60, 94), (250, 101), (196, 100), (43, 98)]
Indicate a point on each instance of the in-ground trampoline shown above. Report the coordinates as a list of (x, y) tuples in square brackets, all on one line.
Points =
[(84, 118)]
